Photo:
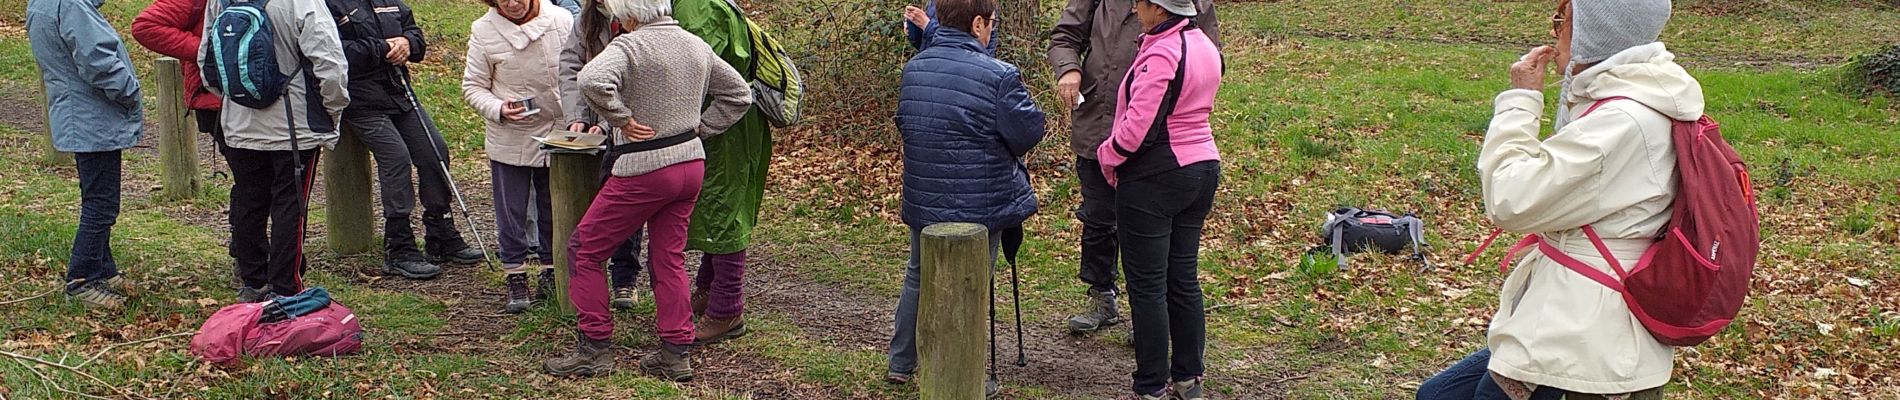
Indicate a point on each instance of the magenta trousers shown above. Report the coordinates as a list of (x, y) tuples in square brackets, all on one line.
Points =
[(662, 201)]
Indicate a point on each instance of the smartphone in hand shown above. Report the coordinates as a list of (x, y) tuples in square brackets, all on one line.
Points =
[(528, 105)]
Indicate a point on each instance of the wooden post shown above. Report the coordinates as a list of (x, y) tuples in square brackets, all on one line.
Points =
[(950, 321), (49, 156), (346, 196), (177, 145), (573, 180)]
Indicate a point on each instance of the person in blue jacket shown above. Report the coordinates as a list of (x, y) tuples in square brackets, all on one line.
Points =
[(92, 94), (967, 122), (920, 24)]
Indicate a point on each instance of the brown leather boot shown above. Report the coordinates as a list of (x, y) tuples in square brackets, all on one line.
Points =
[(711, 330), (589, 358), (672, 363)]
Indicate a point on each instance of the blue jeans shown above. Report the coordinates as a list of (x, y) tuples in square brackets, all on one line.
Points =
[(903, 353), (1470, 379), (91, 259)]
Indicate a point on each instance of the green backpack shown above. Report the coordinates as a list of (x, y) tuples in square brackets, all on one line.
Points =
[(777, 89)]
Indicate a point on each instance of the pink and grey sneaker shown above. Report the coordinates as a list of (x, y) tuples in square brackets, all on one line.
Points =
[(1187, 390)]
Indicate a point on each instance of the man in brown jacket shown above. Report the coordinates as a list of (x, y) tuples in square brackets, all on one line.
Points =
[(1090, 49)]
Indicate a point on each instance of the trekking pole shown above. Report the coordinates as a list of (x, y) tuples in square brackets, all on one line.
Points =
[(1016, 296), (442, 161)]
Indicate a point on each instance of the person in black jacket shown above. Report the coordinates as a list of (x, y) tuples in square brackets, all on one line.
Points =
[(380, 38)]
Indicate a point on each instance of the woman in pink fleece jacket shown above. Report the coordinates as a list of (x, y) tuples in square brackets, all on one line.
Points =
[(1162, 160)]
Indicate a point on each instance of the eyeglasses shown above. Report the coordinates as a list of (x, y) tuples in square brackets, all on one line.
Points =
[(1557, 20)]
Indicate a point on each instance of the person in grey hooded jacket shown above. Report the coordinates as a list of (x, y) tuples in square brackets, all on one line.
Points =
[(267, 189), (93, 97)]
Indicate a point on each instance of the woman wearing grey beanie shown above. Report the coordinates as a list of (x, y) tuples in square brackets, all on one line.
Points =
[(1610, 166)]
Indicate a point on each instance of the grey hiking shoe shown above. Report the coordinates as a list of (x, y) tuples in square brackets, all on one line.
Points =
[(412, 269), (1102, 312), (544, 285), (463, 255), (96, 294), (1187, 390), (589, 358), (254, 295), (671, 363), (518, 297), (625, 297)]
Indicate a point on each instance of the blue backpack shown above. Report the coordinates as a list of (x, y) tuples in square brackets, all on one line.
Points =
[(243, 59)]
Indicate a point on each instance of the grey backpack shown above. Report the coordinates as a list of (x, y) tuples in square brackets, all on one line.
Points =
[(1350, 231)]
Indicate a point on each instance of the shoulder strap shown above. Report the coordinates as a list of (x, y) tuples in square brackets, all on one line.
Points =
[(1599, 103)]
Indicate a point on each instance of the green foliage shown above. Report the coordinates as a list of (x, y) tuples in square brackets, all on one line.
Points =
[(851, 53), (1875, 73)]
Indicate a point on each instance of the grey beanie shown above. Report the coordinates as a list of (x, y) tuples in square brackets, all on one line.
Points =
[(1183, 8), (1601, 28)]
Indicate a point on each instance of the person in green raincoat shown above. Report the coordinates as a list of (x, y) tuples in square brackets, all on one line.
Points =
[(736, 163)]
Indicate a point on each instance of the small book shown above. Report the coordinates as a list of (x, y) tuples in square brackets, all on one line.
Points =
[(572, 141)]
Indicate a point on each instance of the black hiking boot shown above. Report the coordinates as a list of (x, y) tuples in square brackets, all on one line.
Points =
[(1102, 312), (589, 358), (518, 297), (411, 269), (456, 253), (255, 295), (671, 363)]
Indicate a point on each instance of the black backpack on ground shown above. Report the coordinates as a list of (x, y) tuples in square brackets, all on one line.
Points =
[(1350, 231)]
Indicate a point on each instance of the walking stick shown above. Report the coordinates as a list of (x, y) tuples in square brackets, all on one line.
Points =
[(442, 161)]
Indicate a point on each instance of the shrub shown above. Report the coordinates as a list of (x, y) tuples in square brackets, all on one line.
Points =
[(1875, 73)]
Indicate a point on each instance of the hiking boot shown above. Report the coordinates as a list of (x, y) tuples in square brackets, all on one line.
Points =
[(518, 298), (699, 303), (589, 358), (411, 269), (118, 283), (1187, 390), (671, 363), (254, 295), (625, 297), (544, 285), (96, 294), (714, 330), (459, 255), (1101, 312)]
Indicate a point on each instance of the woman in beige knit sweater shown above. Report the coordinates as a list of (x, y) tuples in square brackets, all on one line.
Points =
[(650, 84)]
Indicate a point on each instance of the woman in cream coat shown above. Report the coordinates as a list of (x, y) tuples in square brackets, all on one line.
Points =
[(1556, 332), (513, 55)]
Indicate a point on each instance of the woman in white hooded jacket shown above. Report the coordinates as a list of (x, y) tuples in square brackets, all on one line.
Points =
[(1558, 333), (514, 55)]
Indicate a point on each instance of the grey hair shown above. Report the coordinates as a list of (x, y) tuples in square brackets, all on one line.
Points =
[(642, 10)]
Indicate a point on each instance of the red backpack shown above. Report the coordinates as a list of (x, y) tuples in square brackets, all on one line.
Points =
[(240, 330), (1692, 282)]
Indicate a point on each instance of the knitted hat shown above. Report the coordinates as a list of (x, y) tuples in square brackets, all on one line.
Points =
[(1601, 28), (1183, 8)]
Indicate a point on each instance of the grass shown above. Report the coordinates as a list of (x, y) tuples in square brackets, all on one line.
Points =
[(1326, 103)]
